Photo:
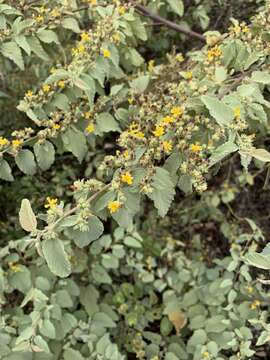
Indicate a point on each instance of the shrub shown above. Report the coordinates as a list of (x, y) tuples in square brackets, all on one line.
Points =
[(133, 163)]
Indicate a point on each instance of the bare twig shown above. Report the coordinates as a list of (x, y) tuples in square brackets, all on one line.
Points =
[(170, 24)]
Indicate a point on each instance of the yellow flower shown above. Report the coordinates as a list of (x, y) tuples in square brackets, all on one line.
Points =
[(126, 154), (61, 84), (87, 115), (177, 111), (121, 10), (52, 70), (85, 36), (56, 126), (255, 304), (168, 120), (130, 101), (81, 48), (90, 128), (106, 53), (46, 88), (159, 131), (167, 145), (188, 75), (206, 355), (179, 58), (3, 141), (236, 29), (51, 203), (151, 65), (113, 206), (16, 143), (215, 52), (195, 147), (246, 29), (127, 178), (237, 112), (14, 267), (55, 12), (92, 2), (249, 289), (39, 18), (29, 94), (116, 38)]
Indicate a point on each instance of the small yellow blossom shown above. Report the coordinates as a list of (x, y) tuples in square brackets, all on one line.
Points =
[(81, 48), (51, 203), (61, 84), (126, 154), (3, 141), (92, 2), (52, 70), (255, 304), (249, 289), (130, 101), (236, 29), (213, 53), (179, 58), (90, 128), (127, 178), (246, 29), (116, 38), (168, 120), (29, 94), (177, 111), (16, 143), (237, 112), (113, 206), (121, 10), (188, 75), (46, 88), (56, 126), (167, 145), (159, 131), (85, 36), (106, 53), (206, 355), (14, 267), (87, 115), (55, 12), (195, 147), (151, 65), (39, 18)]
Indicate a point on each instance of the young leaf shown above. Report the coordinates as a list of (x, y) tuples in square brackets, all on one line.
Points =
[(27, 217), (56, 257), (177, 6), (221, 112), (222, 151), (84, 238), (5, 171), (45, 154), (26, 162), (163, 191), (75, 142)]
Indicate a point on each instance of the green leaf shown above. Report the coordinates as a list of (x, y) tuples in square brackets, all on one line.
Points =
[(37, 48), (260, 154), (75, 142), (84, 238), (22, 42), (258, 260), (27, 217), (45, 154), (106, 123), (177, 6), (12, 51), (25, 161), (103, 320), (71, 354), (221, 112), (71, 24), (222, 151), (140, 84), (163, 191), (41, 343), (47, 329), (262, 77), (48, 36), (5, 171), (56, 257)]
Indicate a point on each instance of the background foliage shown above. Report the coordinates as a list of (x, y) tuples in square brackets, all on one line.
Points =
[(134, 180)]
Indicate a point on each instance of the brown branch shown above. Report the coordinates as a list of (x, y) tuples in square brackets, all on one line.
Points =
[(142, 10)]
